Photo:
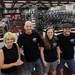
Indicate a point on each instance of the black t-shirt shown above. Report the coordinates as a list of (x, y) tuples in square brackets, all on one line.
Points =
[(66, 44), (10, 56), (51, 53), (30, 45)]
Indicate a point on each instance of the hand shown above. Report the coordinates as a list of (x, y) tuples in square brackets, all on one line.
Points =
[(19, 62), (45, 63), (21, 51), (58, 61)]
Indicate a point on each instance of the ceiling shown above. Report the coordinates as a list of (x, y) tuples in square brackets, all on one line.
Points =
[(26, 4)]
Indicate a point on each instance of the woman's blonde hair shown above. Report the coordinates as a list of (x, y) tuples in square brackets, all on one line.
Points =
[(8, 34)]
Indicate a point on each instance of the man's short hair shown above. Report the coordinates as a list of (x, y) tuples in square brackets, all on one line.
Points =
[(67, 25)]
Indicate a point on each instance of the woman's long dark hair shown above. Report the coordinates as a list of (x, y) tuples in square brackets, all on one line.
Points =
[(47, 42)]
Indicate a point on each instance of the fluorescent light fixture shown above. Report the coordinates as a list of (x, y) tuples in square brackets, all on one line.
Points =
[(21, 1), (8, 1), (54, 2), (8, 5), (64, 2)]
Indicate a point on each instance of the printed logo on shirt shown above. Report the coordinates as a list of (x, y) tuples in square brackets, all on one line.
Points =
[(34, 39), (72, 40), (54, 44)]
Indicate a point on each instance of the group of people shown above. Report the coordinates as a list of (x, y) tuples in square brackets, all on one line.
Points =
[(40, 53)]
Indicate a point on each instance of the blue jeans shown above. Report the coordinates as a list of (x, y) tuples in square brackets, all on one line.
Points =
[(30, 67), (35, 66), (70, 63)]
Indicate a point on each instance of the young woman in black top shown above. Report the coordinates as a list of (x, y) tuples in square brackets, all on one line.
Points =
[(9, 56), (51, 52)]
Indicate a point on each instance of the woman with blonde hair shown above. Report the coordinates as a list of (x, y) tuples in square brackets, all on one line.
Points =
[(51, 53), (9, 55)]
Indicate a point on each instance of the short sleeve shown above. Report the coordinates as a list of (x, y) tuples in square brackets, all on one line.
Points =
[(40, 41), (19, 41)]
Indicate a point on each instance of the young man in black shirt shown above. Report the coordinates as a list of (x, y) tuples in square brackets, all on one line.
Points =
[(67, 43), (31, 43)]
